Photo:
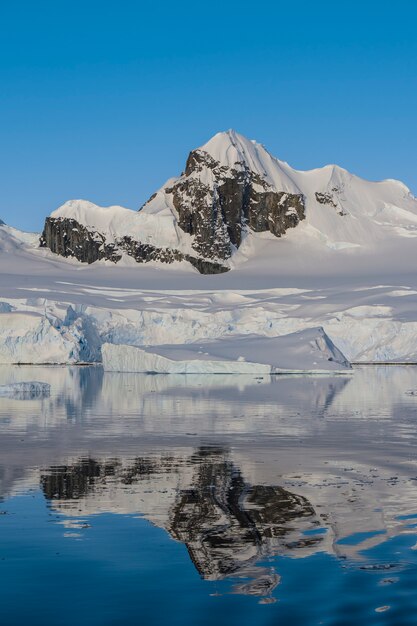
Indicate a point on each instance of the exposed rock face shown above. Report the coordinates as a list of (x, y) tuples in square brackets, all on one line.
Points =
[(325, 198), (144, 252), (69, 238), (332, 198), (217, 203)]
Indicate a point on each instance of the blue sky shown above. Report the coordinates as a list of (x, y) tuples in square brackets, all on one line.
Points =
[(104, 100)]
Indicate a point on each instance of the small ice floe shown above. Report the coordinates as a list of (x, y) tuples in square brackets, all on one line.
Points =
[(30, 390)]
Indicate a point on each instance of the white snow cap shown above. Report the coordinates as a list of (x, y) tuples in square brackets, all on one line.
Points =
[(230, 147), (117, 221)]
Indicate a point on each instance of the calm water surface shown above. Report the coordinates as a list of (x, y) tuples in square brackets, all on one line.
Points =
[(159, 500)]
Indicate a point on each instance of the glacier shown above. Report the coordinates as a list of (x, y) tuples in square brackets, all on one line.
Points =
[(31, 338), (36, 329)]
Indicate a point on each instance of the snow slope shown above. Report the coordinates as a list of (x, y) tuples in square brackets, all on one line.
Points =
[(13, 240)]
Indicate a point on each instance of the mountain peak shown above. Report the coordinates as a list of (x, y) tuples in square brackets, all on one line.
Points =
[(233, 150), (229, 147)]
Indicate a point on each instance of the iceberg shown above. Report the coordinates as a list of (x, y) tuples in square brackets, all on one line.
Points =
[(306, 351)]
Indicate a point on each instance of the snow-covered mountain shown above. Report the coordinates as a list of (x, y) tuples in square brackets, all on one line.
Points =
[(321, 249), (231, 192)]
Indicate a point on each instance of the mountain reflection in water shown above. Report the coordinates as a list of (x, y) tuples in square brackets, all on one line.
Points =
[(227, 524), (243, 471)]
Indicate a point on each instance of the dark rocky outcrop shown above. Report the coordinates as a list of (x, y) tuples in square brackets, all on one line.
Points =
[(69, 238), (218, 213), (326, 198), (331, 198)]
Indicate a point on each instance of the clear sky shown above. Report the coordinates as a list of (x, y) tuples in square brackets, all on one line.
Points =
[(103, 100)]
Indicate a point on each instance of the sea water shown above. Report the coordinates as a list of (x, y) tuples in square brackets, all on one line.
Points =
[(188, 500)]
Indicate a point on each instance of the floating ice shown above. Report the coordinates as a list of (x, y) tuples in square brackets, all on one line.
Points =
[(307, 351)]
